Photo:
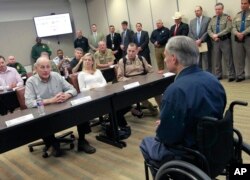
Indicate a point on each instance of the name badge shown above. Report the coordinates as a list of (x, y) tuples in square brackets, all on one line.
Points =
[(131, 85), (80, 100), (168, 74), (19, 120)]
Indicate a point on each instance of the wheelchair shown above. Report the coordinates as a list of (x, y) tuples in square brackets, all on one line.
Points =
[(219, 146)]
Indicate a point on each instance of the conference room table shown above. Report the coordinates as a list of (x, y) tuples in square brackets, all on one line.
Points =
[(149, 85), (58, 117), (8, 102)]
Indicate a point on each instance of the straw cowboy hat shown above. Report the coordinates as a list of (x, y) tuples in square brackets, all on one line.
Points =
[(177, 15)]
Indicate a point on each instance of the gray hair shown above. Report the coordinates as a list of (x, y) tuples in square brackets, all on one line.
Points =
[(40, 59), (185, 50)]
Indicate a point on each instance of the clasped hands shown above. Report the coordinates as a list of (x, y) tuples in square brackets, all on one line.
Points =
[(60, 97)]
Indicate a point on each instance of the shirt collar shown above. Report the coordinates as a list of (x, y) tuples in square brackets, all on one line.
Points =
[(188, 70), (41, 79), (7, 69)]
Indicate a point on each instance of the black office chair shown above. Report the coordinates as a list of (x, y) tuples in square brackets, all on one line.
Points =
[(67, 137), (216, 149)]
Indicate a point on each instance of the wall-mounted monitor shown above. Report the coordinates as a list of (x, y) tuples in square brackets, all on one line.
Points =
[(53, 25)]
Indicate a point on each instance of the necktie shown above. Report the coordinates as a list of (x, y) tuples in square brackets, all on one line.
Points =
[(138, 37), (175, 30), (112, 36), (123, 37), (243, 20), (218, 25), (198, 28), (95, 34)]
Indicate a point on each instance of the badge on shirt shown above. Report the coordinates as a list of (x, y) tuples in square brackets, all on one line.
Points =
[(18, 67), (43, 47)]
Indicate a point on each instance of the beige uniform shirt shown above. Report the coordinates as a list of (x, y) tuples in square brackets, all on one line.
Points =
[(133, 68), (225, 25), (237, 23), (104, 58)]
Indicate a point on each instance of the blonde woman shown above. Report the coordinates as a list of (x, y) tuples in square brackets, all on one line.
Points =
[(90, 77)]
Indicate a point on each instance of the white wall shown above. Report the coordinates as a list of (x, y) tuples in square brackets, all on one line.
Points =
[(117, 12), (17, 30)]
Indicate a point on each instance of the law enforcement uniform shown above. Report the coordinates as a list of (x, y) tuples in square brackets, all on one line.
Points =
[(134, 68), (241, 48), (221, 25), (104, 58)]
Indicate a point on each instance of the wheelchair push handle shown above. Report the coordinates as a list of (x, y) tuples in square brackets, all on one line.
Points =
[(241, 103), (246, 148)]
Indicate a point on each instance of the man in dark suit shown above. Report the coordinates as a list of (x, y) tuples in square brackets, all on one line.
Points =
[(113, 41), (127, 37), (179, 28), (141, 39), (198, 32)]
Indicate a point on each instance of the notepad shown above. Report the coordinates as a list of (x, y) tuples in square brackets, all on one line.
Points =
[(168, 74), (80, 100), (131, 85), (203, 47), (19, 120)]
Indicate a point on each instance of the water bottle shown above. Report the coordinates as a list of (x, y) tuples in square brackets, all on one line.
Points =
[(40, 106), (66, 72)]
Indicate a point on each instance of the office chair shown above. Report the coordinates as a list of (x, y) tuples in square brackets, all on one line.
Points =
[(216, 149), (61, 138)]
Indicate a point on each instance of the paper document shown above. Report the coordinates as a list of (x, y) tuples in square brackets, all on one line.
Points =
[(19, 120), (203, 47)]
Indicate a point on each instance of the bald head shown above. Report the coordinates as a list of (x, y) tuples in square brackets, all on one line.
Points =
[(79, 34), (43, 67), (11, 59), (159, 23), (102, 46)]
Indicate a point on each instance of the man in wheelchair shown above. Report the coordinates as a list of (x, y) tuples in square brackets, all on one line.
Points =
[(194, 94)]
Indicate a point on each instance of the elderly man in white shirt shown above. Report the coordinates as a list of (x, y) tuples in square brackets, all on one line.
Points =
[(53, 88)]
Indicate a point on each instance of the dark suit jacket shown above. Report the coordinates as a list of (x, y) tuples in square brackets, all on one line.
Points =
[(203, 29), (128, 38), (116, 41), (144, 40), (182, 29)]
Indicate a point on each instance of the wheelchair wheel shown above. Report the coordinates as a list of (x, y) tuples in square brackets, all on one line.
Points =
[(177, 169)]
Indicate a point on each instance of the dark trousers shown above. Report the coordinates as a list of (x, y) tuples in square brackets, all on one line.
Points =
[(120, 116), (82, 129)]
